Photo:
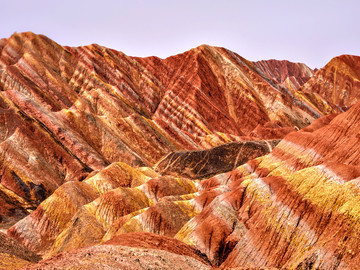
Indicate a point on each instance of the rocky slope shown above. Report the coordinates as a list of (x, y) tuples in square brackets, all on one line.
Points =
[(205, 163), (176, 162), (299, 205), (83, 213), (119, 257), (66, 112), (13, 254), (289, 74), (337, 82), (295, 208)]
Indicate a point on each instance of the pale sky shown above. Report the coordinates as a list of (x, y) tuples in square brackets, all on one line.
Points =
[(308, 31)]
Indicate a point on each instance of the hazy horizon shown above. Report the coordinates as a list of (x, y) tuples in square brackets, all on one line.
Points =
[(311, 32)]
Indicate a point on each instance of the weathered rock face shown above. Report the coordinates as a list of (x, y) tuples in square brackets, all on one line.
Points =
[(205, 163), (65, 112), (62, 119), (13, 254), (337, 82), (215, 84), (289, 74), (155, 241), (120, 199), (57, 212), (294, 208), (119, 257)]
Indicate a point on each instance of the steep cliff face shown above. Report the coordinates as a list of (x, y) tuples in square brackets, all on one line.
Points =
[(66, 112)]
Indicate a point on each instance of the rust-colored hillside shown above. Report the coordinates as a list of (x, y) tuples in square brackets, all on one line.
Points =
[(66, 112), (203, 159), (289, 74), (338, 82)]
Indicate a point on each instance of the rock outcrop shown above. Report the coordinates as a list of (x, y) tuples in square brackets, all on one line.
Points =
[(295, 208)]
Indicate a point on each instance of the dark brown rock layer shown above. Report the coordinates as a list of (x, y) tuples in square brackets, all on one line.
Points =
[(206, 163)]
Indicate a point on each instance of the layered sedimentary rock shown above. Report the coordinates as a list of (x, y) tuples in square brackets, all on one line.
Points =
[(289, 74), (294, 208), (13, 254), (135, 159), (62, 120), (120, 257), (66, 112), (337, 82), (205, 163), (216, 79), (39, 229), (121, 199)]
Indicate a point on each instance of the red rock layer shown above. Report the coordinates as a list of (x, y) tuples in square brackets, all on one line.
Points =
[(296, 208), (63, 116), (210, 79), (120, 199), (119, 257), (289, 74), (13, 254), (337, 82), (39, 229), (155, 241)]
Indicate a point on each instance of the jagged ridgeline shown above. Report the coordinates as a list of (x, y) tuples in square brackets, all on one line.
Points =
[(203, 159)]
